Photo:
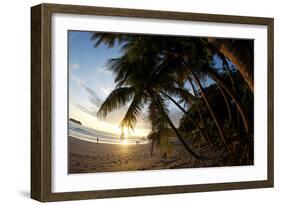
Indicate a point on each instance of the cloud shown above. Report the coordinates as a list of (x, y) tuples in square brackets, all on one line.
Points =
[(175, 116), (93, 97), (106, 90), (74, 66), (92, 111), (116, 116), (104, 70)]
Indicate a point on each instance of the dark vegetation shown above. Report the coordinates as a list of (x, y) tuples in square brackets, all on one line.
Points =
[(155, 71), (75, 121)]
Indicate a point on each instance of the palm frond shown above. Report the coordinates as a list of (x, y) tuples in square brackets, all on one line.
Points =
[(182, 94), (158, 121), (121, 68), (133, 112), (161, 131), (109, 39), (161, 140), (115, 100)]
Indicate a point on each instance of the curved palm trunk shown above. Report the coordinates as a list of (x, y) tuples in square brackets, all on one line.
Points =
[(215, 118), (152, 148), (186, 113), (226, 102), (221, 82), (225, 63), (199, 111), (158, 102), (232, 84), (243, 62)]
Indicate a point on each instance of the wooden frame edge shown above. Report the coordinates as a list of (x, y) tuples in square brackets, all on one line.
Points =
[(41, 101), (36, 58), (270, 99), (157, 14), (101, 194)]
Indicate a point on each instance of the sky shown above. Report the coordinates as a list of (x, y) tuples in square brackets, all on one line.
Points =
[(90, 82)]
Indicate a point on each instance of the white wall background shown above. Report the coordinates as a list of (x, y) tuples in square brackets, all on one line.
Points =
[(15, 102)]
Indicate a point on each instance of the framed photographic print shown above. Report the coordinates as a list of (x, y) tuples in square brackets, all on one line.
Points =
[(135, 102)]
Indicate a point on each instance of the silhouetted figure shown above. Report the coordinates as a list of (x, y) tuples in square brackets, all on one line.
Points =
[(97, 140)]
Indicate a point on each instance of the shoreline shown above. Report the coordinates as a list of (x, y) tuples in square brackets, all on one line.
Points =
[(91, 140)]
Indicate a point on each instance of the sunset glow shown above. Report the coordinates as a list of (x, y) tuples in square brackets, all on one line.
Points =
[(125, 142), (90, 83), (144, 102)]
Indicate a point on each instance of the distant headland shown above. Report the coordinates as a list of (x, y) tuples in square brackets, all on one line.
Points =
[(75, 121)]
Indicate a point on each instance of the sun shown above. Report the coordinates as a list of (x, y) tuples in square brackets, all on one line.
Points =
[(125, 142)]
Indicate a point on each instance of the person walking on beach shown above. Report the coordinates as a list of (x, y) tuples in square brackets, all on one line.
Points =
[(97, 140)]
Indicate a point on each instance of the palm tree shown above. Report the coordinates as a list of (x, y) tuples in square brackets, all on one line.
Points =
[(139, 84), (176, 58), (188, 117), (198, 56), (214, 115), (240, 54), (199, 110), (226, 102), (231, 93)]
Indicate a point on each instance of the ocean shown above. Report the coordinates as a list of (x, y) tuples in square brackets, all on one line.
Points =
[(88, 134)]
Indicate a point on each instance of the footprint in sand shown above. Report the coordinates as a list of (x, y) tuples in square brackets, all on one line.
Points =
[(126, 161)]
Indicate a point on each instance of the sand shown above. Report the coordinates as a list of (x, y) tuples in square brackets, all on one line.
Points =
[(88, 157)]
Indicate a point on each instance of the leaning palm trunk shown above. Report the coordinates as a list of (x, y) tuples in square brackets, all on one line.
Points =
[(199, 111), (221, 82), (226, 103), (169, 121), (228, 72), (242, 61), (215, 118), (186, 114), (227, 69), (152, 147)]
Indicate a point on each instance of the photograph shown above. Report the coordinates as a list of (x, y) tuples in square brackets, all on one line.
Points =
[(133, 102), (153, 102)]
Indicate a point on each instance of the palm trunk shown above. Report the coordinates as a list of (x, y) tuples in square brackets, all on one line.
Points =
[(232, 85), (152, 148), (242, 61), (189, 150), (186, 113), (226, 65), (221, 82), (199, 110), (215, 118), (197, 104), (226, 102)]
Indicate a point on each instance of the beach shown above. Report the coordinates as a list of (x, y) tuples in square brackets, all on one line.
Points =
[(89, 157)]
